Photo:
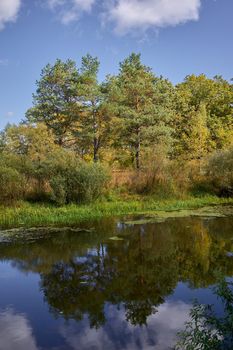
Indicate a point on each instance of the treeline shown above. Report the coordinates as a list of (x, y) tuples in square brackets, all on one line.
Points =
[(169, 138)]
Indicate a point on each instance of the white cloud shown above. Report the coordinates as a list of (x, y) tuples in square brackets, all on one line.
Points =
[(70, 10), (127, 15), (85, 5), (142, 14), (8, 11)]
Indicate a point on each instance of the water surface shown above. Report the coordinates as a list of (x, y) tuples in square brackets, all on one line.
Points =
[(88, 290)]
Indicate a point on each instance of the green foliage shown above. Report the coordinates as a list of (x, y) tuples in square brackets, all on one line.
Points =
[(30, 215), (203, 107), (58, 186), (89, 182), (196, 130), (206, 330), (71, 103), (11, 185), (220, 172), (31, 150), (131, 120), (142, 103), (81, 182), (198, 334), (93, 128), (56, 99)]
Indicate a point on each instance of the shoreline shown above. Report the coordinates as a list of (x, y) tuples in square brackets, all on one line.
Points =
[(35, 215)]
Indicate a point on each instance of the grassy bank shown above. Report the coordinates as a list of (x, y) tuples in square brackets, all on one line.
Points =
[(29, 215)]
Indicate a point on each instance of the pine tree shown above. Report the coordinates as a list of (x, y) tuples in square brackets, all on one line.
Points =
[(143, 107)]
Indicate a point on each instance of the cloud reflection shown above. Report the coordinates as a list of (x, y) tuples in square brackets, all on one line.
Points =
[(160, 333), (15, 332)]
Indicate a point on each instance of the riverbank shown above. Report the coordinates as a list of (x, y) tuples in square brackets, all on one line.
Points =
[(28, 215)]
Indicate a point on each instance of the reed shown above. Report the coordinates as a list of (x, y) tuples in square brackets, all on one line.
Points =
[(27, 215)]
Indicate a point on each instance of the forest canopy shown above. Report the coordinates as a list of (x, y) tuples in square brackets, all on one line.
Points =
[(163, 138)]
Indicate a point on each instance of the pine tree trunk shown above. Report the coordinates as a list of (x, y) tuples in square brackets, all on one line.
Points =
[(95, 149), (137, 155), (60, 141), (96, 141), (138, 148)]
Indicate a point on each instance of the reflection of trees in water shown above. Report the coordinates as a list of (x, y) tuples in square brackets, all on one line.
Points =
[(79, 275)]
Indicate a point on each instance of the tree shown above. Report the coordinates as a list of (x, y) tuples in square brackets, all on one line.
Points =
[(32, 150), (35, 141), (196, 134), (142, 106), (93, 128), (217, 96), (56, 101)]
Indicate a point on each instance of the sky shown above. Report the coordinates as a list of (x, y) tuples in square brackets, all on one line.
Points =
[(175, 37)]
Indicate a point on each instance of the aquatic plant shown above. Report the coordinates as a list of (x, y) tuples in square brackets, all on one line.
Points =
[(34, 214), (206, 330)]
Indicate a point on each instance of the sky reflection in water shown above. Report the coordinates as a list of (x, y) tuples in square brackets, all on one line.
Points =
[(86, 291)]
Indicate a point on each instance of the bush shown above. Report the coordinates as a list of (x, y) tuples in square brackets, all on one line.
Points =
[(90, 181), (11, 185), (219, 172), (58, 186), (161, 177), (206, 329), (79, 183)]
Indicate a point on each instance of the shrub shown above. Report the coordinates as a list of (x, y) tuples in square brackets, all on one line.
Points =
[(89, 182), (219, 172), (79, 183), (58, 187), (11, 185), (162, 177), (206, 329)]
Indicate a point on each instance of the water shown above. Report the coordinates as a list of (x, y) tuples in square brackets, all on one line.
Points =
[(70, 290)]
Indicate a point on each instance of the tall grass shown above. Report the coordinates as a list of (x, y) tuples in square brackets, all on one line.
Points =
[(28, 215)]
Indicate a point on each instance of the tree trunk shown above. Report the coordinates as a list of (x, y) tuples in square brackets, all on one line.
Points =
[(137, 156), (95, 132), (138, 148), (95, 149), (60, 141)]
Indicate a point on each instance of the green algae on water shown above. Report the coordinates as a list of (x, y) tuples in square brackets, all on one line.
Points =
[(116, 238), (34, 233), (161, 216)]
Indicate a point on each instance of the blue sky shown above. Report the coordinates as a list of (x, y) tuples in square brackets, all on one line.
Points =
[(175, 38)]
